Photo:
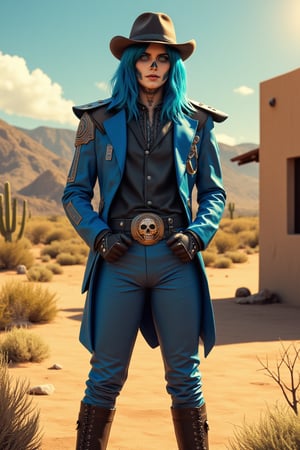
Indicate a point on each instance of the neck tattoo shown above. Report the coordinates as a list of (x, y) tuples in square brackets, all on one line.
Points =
[(150, 94), (150, 99)]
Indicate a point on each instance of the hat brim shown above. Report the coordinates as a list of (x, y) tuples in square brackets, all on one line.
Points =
[(119, 43)]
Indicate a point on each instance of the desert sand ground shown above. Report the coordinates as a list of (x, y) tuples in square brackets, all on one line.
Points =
[(235, 388)]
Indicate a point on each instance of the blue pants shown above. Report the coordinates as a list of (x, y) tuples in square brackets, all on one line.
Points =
[(120, 291)]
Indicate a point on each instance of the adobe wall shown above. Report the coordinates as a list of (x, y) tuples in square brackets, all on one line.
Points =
[(279, 267)]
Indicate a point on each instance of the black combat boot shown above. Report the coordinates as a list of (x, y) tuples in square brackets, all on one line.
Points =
[(191, 428), (93, 427)]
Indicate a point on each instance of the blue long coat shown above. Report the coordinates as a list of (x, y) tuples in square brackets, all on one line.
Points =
[(91, 163)]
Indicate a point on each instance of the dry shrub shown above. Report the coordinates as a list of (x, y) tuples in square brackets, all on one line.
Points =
[(59, 234), (251, 251), (72, 247), (208, 258), (20, 422), (237, 257), (225, 241), (45, 258), (56, 269), (249, 239), (277, 429), (13, 254), (222, 263), (239, 224), (76, 247), (225, 223), (242, 232), (36, 231), (52, 249), (67, 259), (39, 273), (22, 302), (21, 345), (45, 230)]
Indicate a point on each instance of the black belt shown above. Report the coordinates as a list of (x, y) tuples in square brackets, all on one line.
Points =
[(149, 228)]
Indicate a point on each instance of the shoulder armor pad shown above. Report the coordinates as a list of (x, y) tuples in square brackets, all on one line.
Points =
[(89, 107), (218, 116)]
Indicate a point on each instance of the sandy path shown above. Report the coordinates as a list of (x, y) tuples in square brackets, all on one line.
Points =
[(233, 384)]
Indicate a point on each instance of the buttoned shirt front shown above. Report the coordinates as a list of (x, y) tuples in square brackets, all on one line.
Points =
[(149, 182)]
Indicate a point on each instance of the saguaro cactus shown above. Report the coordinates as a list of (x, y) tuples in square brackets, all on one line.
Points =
[(8, 215), (231, 208)]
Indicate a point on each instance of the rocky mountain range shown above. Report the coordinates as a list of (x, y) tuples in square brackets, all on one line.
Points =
[(36, 163)]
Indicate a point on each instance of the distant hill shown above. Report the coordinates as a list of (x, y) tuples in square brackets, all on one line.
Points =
[(36, 163), (59, 141), (48, 185), (22, 161)]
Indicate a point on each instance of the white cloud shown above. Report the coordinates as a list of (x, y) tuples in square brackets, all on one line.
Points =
[(32, 94), (103, 86), (225, 139), (244, 90)]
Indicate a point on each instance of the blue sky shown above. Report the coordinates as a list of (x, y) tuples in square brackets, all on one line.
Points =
[(54, 54)]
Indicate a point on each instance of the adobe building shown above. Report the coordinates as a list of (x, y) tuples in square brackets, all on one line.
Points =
[(279, 187)]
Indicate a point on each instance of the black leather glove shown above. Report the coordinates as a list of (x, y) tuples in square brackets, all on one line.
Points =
[(112, 246), (184, 245)]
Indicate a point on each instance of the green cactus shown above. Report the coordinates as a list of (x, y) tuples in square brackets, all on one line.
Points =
[(231, 208), (8, 215)]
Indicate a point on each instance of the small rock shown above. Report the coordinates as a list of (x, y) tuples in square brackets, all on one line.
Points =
[(242, 292), (264, 296), (21, 269), (55, 367), (42, 389)]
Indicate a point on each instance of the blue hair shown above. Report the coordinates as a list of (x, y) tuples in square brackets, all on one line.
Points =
[(125, 87)]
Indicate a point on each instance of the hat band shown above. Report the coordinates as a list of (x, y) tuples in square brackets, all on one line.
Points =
[(152, 37)]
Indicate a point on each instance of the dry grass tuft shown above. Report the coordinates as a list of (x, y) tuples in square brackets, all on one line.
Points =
[(20, 345), (277, 429), (26, 302), (19, 419)]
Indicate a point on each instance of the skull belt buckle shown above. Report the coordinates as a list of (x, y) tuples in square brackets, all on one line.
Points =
[(147, 228)]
